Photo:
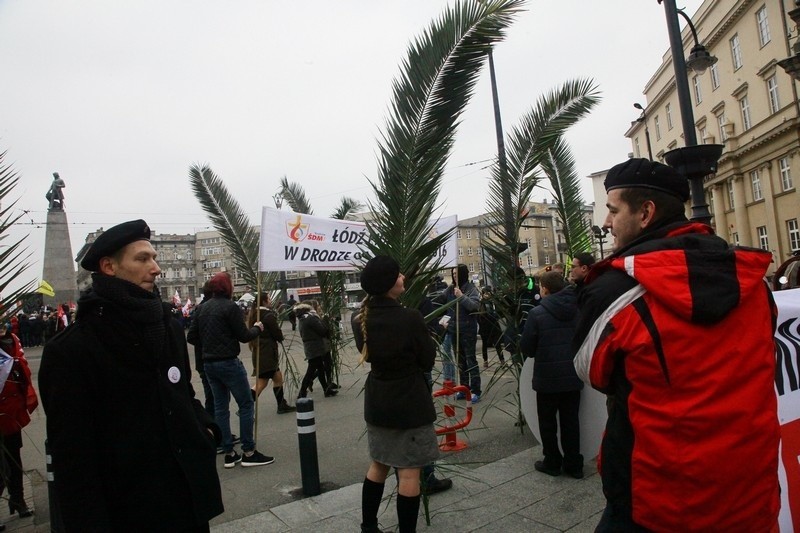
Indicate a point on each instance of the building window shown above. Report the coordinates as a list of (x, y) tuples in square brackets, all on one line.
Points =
[(657, 126), (721, 121), (469, 234), (546, 259), (734, 238), (458, 234), (460, 252), (772, 92), (544, 242), (472, 267), (730, 194), (786, 174), (530, 261), (704, 135), (755, 181), (763, 240), (469, 250), (794, 234), (736, 52), (636, 147), (698, 94), (714, 77), (763, 26), (668, 111), (744, 105)]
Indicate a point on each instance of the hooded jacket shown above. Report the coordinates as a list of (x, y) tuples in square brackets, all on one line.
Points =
[(547, 337), (678, 327), (313, 330)]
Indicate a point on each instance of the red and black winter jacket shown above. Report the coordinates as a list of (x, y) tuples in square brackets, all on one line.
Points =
[(678, 328)]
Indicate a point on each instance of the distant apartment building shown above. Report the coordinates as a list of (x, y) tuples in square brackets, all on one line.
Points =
[(541, 231), (747, 103)]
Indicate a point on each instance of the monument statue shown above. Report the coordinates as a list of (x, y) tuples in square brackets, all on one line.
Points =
[(55, 196)]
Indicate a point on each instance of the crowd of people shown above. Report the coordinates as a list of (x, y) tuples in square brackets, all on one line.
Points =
[(648, 326)]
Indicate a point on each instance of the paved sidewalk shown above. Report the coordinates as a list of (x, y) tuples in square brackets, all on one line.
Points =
[(507, 495)]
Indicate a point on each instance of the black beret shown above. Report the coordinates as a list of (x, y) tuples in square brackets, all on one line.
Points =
[(647, 174), (113, 240), (379, 275)]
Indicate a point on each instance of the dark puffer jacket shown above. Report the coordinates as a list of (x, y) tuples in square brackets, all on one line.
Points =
[(219, 327), (547, 337), (313, 330)]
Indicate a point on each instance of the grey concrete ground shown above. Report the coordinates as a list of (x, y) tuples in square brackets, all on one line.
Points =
[(495, 484)]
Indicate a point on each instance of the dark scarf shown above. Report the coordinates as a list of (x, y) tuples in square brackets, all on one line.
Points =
[(141, 307)]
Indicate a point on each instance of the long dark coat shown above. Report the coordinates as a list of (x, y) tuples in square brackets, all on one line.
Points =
[(130, 445), (400, 351)]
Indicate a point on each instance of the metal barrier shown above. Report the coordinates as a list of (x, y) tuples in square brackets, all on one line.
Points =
[(451, 442)]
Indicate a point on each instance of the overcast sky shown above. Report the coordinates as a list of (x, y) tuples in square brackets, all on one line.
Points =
[(121, 98)]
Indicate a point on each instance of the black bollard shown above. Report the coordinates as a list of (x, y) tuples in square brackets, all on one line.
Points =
[(307, 438), (56, 525)]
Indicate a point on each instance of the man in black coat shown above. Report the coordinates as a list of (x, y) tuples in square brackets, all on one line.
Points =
[(132, 449), (547, 337)]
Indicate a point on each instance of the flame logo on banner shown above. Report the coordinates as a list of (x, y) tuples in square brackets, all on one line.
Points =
[(787, 351), (297, 231)]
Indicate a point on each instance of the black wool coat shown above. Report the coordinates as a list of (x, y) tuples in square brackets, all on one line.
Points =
[(130, 444), (400, 351)]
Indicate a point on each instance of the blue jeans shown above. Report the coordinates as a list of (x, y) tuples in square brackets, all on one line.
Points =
[(229, 377), (448, 366)]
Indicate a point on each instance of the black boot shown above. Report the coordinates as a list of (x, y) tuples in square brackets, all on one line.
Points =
[(283, 406)]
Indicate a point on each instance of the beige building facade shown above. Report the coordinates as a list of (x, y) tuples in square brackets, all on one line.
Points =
[(747, 103)]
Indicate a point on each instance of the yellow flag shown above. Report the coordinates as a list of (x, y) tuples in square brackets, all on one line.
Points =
[(46, 289)]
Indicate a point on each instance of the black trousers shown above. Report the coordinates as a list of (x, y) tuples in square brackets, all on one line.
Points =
[(316, 368), (11, 467), (564, 405)]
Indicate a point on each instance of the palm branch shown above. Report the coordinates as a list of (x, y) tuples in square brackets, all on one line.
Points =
[(529, 143), (231, 222), (559, 166), (535, 144), (436, 81), (13, 257)]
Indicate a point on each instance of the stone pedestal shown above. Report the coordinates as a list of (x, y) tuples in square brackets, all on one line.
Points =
[(59, 265)]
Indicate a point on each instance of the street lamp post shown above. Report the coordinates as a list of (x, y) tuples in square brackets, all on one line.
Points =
[(792, 63), (643, 118), (600, 235), (483, 256), (693, 161), (278, 199)]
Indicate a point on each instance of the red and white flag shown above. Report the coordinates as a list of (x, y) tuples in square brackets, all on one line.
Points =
[(176, 299)]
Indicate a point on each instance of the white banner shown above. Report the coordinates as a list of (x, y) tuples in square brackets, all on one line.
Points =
[(787, 384), (294, 241)]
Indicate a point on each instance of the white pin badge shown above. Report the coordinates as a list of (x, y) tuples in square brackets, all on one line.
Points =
[(174, 374)]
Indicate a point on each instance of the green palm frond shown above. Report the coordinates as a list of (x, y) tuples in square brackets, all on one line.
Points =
[(528, 145), (347, 209), (559, 166), (229, 220), (13, 257), (435, 84), (294, 194)]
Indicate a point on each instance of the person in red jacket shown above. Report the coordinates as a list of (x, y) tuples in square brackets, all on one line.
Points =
[(677, 327), (17, 399)]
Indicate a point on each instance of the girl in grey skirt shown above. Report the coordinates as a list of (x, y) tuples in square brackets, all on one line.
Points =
[(398, 407)]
